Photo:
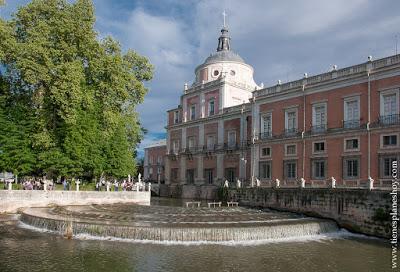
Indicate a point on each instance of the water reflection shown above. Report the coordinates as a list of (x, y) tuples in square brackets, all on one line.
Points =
[(26, 250)]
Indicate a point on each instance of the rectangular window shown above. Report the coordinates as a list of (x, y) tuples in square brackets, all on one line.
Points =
[(389, 104), (351, 168), (151, 170), (174, 174), (290, 169), (390, 140), (176, 117), (265, 170), (210, 142), (352, 113), (319, 118), (266, 126), (231, 138), (191, 142), (290, 150), (190, 176), (159, 159), (352, 144), (290, 121), (389, 107), (208, 173), (319, 147), (192, 112), (211, 108), (386, 165), (266, 151), (150, 160), (230, 174), (319, 168), (175, 146)]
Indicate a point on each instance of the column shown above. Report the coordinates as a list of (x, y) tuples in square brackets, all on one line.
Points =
[(183, 169), (183, 144), (167, 173), (184, 110), (222, 98), (221, 132), (220, 167), (202, 106), (200, 170), (201, 135), (254, 148)]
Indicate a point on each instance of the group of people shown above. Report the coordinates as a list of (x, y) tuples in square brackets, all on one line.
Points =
[(125, 185), (37, 184)]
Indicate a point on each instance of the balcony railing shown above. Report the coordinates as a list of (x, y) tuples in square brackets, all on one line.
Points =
[(265, 135), (391, 119), (348, 124), (318, 129), (231, 146), (290, 132)]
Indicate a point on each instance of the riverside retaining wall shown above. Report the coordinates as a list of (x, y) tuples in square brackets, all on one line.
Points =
[(11, 201), (358, 210)]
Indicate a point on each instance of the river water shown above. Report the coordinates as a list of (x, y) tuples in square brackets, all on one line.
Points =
[(25, 249)]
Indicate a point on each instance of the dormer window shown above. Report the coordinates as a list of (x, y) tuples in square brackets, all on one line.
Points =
[(215, 73), (233, 73)]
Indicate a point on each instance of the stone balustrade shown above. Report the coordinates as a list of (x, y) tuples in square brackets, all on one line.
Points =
[(12, 200)]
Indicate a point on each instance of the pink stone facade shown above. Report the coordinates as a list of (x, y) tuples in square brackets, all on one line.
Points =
[(336, 125)]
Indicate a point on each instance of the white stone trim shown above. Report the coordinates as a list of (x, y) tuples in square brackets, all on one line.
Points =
[(319, 152), (287, 111), (290, 155), (354, 149), (388, 92), (389, 134), (317, 104), (351, 99)]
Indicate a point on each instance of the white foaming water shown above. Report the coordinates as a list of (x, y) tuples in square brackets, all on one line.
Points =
[(340, 234)]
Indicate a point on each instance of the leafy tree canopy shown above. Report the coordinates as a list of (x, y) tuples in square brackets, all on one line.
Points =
[(67, 100)]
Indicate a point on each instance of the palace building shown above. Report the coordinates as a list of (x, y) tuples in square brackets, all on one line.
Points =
[(343, 124)]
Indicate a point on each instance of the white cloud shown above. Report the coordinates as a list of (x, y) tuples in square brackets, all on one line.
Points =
[(280, 39)]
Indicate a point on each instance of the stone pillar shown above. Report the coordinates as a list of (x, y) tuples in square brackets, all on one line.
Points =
[(202, 106), (167, 173), (183, 138), (255, 148), (184, 110), (9, 185), (220, 132), (77, 185), (183, 170), (242, 165), (254, 163), (200, 170), (220, 167), (201, 135)]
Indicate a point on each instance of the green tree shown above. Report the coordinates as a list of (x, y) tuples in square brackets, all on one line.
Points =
[(80, 92)]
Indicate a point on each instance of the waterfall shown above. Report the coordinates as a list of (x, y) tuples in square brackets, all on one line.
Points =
[(49, 219)]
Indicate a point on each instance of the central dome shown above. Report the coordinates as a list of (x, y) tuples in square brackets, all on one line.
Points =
[(224, 55)]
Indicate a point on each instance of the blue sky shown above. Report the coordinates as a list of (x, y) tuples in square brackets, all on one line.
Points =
[(280, 39)]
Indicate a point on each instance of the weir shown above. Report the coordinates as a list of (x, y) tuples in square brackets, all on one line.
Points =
[(175, 224)]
